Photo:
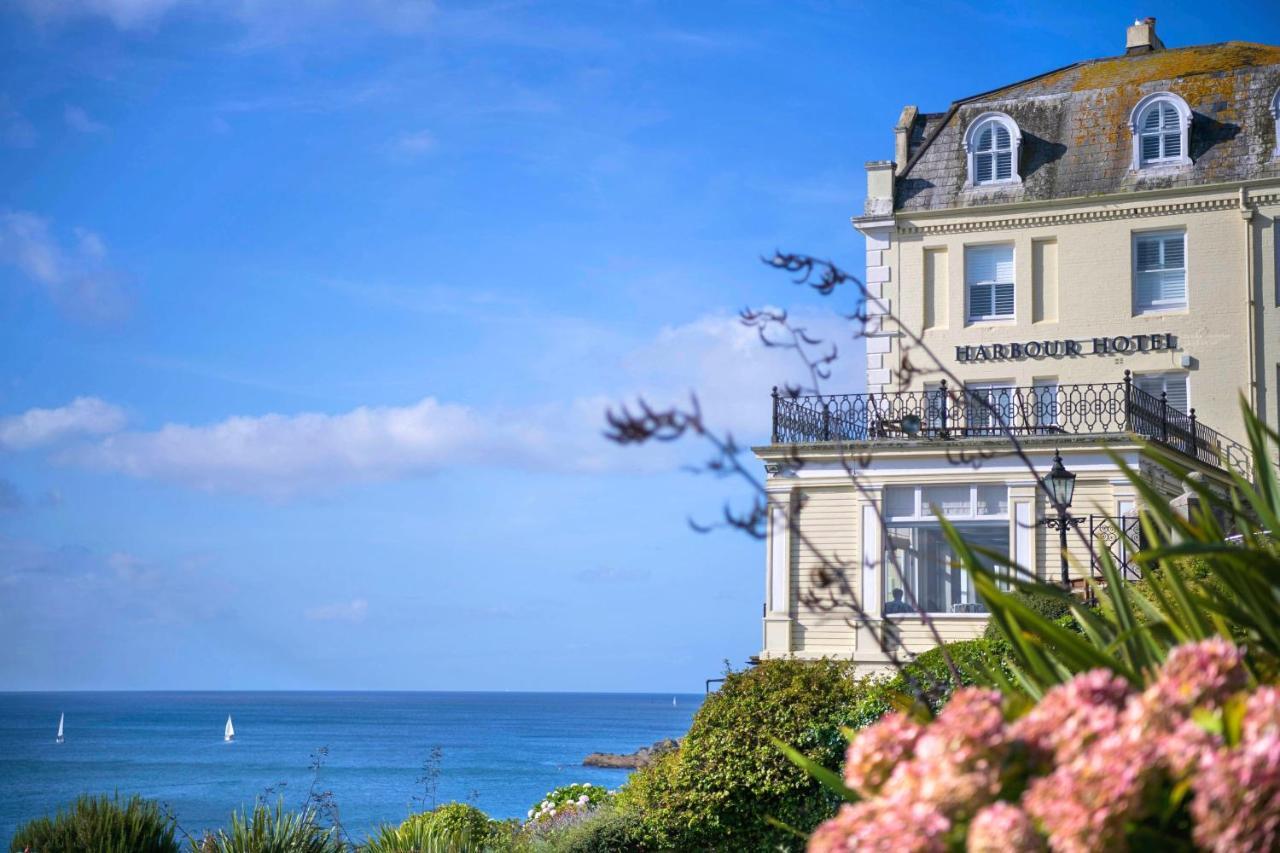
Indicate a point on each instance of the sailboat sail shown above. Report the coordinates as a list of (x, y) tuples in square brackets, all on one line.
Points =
[(230, 733), (62, 718)]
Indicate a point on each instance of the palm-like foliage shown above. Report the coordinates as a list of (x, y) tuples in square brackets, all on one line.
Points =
[(100, 825), (1132, 627), (267, 830), (419, 837)]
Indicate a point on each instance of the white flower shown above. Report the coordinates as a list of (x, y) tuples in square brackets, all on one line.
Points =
[(553, 812), (530, 812)]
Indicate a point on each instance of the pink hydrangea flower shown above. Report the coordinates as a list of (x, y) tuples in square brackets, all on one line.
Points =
[(883, 825), (877, 750), (1197, 674), (1262, 714), (1236, 807), (1071, 716), (1183, 749), (1003, 828), (960, 758), (1085, 803)]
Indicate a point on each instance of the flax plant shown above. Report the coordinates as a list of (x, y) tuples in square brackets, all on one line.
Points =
[(1132, 627)]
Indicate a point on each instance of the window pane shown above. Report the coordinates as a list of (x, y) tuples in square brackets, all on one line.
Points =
[(1175, 385), (986, 265), (899, 502), (951, 500), (984, 138), (1151, 119), (1150, 146), (920, 564), (1173, 248), (1002, 137), (1172, 145), (993, 500)]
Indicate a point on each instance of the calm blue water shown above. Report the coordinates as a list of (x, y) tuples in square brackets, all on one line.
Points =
[(511, 748)]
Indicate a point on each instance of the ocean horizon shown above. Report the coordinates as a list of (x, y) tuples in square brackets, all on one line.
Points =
[(500, 750)]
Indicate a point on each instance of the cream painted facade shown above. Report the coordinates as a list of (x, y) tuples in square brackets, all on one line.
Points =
[(842, 470)]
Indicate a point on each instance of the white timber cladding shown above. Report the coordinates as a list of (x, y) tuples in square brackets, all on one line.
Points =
[(828, 547)]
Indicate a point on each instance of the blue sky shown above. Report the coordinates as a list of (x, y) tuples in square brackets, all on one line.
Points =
[(311, 311)]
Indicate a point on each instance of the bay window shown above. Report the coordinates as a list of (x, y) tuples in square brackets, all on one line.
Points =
[(921, 570)]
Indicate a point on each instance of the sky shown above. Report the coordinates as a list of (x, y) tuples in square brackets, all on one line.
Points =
[(310, 312)]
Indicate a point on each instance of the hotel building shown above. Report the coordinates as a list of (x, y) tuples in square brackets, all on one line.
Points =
[(1092, 253)]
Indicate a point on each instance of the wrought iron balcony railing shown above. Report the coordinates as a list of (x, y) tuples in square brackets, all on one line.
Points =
[(945, 413)]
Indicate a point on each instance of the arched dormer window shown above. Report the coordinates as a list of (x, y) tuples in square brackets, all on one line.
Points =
[(1275, 114), (993, 143), (1160, 123)]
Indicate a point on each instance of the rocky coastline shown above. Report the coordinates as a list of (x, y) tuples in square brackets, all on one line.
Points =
[(642, 757)]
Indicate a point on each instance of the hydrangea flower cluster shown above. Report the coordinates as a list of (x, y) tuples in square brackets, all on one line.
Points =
[(567, 803), (1094, 760)]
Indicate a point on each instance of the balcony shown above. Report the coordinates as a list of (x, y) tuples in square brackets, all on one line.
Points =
[(949, 414)]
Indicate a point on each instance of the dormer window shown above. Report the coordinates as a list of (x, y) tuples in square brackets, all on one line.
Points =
[(1275, 115), (993, 143), (1160, 123)]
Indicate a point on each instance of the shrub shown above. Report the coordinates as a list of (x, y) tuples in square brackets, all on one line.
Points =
[(605, 830), (927, 677), (578, 798), (100, 825), (461, 822), (718, 790), (268, 830), (419, 837), (1049, 606)]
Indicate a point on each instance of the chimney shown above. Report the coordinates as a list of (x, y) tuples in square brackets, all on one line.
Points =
[(1142, 38), (879, 188), (902, 135)]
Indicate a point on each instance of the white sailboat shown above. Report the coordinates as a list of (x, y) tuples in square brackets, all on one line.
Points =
[(673, 701), (230, 733), (62, 718)]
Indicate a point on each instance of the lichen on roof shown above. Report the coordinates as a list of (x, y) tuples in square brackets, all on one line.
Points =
[(1076, 135)]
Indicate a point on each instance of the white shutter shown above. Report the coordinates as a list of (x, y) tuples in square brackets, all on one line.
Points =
[(982, 168), (1004, 165), (989, 278), (1173, 385), (1160, 271)]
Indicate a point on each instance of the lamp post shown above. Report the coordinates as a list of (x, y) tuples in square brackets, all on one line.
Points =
[(1061, 486)]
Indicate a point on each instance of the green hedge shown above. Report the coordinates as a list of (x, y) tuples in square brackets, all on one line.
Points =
[(718, 790)]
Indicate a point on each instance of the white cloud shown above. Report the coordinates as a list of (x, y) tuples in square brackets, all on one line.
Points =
[(269, 18), (281, 455), (353, 611), (80, 121), (413, 145), (75, 277), (83, 416)]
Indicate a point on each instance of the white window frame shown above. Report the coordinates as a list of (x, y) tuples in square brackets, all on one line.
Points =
[(922, 516), (997, 393), (1184, 127), (1015, 150), (1275, 116), (1158, 306), (1045, 406), (970, 317), (1164, 376)]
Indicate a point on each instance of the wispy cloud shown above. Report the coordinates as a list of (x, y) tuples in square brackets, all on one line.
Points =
[(281, 455), (410, 146), (75, 276), (36, 580), (265, 19), (83, 416), (353, 611), (80, 121)]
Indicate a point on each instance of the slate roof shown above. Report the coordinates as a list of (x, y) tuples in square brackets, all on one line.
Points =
[(1075, 128)]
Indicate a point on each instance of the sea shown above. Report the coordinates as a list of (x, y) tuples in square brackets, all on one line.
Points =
[(501, 751)]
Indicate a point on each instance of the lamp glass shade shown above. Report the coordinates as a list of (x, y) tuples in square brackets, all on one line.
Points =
[(1060, 482)]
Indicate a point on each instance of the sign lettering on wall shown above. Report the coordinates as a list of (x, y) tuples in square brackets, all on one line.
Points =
[(1118, 345)]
